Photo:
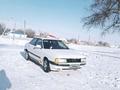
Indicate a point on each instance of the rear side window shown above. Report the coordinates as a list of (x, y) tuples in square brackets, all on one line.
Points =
[(33, 41)]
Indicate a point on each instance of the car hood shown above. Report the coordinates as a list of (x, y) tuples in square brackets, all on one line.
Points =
[(68, 53)]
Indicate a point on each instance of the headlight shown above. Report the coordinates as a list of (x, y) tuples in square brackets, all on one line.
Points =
[(60, 60)]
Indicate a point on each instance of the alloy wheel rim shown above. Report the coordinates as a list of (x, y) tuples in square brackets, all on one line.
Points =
[(45, 65)]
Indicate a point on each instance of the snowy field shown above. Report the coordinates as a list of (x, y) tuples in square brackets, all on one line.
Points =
[(102, 71)]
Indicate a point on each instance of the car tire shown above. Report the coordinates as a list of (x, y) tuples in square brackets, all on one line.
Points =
[(27, 55), (46, 65)]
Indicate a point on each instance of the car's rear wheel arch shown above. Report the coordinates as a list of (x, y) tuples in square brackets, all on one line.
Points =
[(26, 55), (26, 50)]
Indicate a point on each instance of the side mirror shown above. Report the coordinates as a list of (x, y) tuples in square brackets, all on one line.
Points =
[(38, 47)]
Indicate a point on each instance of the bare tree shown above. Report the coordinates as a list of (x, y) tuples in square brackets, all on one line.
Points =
[(105, 14), (7, 30), (30, 33), (101, 43), (72, 40), (2, 28)]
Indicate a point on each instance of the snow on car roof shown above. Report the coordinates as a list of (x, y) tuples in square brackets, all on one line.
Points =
[(48, 37)]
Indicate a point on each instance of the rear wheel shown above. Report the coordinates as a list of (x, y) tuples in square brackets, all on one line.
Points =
[(46, 66), (26, 55)]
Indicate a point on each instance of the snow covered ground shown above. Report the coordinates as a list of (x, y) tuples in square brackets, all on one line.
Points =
[(102, 71)]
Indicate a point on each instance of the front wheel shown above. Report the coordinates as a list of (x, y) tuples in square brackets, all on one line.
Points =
[(46, 66)]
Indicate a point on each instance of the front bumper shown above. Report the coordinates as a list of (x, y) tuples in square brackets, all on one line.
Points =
[(66, 66)]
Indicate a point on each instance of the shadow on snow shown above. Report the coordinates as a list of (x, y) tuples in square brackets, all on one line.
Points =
[(4, 81)]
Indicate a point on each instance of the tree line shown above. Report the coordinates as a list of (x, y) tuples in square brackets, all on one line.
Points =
[(5, 30)]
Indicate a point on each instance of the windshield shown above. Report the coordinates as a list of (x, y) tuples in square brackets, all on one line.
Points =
[(54, 44)]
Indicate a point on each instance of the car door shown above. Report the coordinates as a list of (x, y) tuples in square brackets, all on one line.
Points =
[(38, 50), (31, 46)]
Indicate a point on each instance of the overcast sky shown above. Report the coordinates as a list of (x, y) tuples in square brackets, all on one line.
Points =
[(59, 17)]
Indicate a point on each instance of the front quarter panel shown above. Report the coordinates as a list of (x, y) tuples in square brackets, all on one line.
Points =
[(47, 53)]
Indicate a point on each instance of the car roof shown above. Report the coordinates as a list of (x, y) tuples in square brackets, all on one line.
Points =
[(49, 38)]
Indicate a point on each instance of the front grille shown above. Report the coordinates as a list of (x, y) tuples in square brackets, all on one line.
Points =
[(73, 60)]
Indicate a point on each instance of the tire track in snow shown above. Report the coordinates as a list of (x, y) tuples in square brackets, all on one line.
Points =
[(101, 54)]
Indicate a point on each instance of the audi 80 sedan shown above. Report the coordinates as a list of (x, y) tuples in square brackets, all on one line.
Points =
[(53, 54)]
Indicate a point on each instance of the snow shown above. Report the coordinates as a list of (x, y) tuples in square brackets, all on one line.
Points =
[(101, 72)]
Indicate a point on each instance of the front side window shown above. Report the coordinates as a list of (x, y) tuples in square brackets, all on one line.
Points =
[(54, 44), (33, 41), (39, 42)]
